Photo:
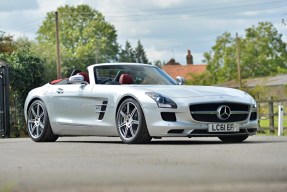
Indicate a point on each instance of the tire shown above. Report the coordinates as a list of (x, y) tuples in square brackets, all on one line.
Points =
[(131, 124), (39, 127), (233, 139)]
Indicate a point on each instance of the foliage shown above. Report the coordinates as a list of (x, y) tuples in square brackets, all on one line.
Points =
[(85, 38), (199, 79), (262, 53), (22, 42), (140, 54), (50, 59), (133, 55), (6, 43), (259, 92), (127, 54), (26, 72)]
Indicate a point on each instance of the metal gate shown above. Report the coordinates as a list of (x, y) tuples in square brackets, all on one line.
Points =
[(4, 100)]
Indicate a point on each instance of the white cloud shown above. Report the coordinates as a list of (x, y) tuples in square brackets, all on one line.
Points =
[(154, 54), (167, 3), (51, 5), (282, 29), (251, 13), (14, 5), (161, 25)]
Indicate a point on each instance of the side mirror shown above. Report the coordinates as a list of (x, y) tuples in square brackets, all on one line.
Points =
[(77, 79), (180, 80)]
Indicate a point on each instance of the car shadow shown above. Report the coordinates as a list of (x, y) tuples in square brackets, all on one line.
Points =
[(178, 142), (96, 142), (205, 142)]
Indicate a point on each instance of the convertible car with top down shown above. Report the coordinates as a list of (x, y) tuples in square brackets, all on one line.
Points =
[(137, 102)]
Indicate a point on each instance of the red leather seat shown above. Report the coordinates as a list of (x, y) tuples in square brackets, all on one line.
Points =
[(126, 79), (56, 81), (86, 76)]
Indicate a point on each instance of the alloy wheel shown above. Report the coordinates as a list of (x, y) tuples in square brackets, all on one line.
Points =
[(128, 120), (36, 120)]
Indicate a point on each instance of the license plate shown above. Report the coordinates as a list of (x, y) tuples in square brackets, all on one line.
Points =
[(223, 127)]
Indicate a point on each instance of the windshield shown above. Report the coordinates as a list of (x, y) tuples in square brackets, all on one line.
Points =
[(131, 74)]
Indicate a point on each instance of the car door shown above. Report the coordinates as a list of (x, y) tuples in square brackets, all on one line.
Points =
[(73, 105)]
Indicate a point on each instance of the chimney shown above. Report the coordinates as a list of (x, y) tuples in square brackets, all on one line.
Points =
[(189, 58)]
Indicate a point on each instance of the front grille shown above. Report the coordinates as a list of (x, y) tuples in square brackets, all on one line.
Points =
[(208, 112), (214, 106)]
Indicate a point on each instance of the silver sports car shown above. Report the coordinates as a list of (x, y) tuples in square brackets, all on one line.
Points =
[(137, 102)]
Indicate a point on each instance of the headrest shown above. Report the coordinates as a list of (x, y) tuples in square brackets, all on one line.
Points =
[(85, 75), (126, 79)]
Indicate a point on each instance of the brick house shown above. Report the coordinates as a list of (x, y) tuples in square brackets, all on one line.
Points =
[(175, 69)]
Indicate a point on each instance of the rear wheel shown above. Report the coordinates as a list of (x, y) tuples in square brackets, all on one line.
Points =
[(131, 123), (39, 127), (233, 139)]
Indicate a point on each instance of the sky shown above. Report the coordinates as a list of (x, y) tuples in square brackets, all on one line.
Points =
[(166, 28)]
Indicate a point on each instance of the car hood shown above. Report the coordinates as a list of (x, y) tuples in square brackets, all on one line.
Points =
[(195, 91)]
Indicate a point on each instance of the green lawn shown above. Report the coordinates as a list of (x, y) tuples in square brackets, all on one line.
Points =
[(264, 123)]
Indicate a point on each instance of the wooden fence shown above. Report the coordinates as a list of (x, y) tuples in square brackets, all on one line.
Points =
[(272, 112)]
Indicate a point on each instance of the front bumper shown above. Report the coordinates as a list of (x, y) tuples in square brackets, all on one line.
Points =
[(185, 126)]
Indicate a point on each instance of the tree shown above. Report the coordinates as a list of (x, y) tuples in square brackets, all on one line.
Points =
[(200, 79), (23, 42), (222, 59), (133, 55), (6, 43), (262, 53), (140, 54), (85, 37), (26, 71), (127, 54)]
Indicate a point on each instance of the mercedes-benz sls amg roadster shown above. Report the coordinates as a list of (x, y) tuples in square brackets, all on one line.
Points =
[(137, 102)]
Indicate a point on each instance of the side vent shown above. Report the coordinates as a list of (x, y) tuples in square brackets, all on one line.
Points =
[(103, 110)]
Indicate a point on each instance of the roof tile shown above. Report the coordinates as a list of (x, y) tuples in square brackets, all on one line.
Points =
[(184, 70)]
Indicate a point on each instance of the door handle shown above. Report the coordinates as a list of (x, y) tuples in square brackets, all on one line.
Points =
[(60, 91)]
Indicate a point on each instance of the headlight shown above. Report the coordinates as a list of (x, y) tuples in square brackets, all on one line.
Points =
[(162, 101)]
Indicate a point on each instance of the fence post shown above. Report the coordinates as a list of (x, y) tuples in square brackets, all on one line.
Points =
[(280, 120), (271, 116), (258, 105)]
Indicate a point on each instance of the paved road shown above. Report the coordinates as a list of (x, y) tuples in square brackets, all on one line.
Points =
[(105, 164)]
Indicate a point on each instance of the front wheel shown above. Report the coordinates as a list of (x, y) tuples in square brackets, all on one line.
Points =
[(131, 124), (233, 139), (39, 128)]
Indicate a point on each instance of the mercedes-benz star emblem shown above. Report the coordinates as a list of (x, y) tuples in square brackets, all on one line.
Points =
[(223, 112)]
